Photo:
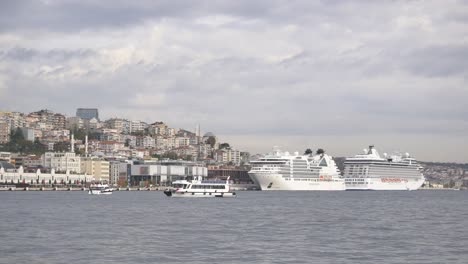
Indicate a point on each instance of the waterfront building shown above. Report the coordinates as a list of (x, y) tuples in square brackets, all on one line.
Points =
[(239, 175), (32, 161), (164, 172), (97, 167), (118, 172), (10, 175), (87, 113), (62, 161)]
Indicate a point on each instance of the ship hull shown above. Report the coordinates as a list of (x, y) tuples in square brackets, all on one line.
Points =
[(276, 182), (386, 184)]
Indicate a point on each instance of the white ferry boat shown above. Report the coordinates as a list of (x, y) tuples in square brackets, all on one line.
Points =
[(370, 171), (282, 171), (100, 189), (200, 188)]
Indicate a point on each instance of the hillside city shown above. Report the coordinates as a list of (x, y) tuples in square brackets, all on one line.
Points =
[(124, 152), (84, 144)]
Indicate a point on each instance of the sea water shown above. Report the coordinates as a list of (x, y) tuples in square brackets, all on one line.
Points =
[(255, 227)]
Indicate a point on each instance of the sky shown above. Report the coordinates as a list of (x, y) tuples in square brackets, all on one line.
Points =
[(338, 75)]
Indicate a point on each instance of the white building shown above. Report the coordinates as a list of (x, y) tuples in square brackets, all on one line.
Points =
[(28, 133), (62, 161), (183, 141), (74, 122), (5, 156), (137, 126), (228, 156), (15, 119), (145, 142), (38, 178), (92, 124)]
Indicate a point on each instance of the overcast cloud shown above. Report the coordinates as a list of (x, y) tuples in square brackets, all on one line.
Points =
[(333, 74)]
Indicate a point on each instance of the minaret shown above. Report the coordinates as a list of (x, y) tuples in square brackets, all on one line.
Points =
[(86, 146), (72, 143)]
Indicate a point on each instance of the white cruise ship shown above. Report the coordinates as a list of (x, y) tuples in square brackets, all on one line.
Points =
[(282, 171), (370, 171)]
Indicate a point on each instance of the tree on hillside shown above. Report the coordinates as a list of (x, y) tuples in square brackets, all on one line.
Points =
[(16, 135), (78, 133), (211, 141), (308, 151), (94, 135), (224, 145), (62, 146), (170, 155)]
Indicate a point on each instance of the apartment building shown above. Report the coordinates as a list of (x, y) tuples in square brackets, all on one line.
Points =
[(98, 168)]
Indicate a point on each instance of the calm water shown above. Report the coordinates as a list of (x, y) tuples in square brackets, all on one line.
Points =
[(255, 227)]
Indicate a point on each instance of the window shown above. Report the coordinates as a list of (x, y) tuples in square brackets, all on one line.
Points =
[(323, 163)]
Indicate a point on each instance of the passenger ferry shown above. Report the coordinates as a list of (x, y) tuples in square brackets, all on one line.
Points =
[(283, 171), (200, 188), (370, 171), (100, 189)]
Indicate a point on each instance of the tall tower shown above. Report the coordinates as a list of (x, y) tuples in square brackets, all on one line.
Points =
[(72, 143), (197, 130)]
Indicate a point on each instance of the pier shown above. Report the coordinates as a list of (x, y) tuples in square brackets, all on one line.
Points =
[(48, 188)]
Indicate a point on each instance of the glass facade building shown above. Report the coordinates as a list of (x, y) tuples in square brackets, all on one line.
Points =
[(87, 113)]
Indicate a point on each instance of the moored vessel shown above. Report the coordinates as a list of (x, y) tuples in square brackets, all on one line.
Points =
[(283, 171), (370, 171), (199, 188), (100, 189)]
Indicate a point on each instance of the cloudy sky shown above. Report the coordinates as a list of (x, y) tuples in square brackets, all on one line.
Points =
[(333, 74)]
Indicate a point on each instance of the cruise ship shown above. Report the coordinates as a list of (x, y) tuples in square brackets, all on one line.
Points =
[(283, 171), (370, 171)]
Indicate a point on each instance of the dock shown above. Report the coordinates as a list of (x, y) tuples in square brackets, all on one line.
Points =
[(68, 189)]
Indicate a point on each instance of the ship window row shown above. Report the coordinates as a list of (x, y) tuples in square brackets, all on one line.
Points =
[(208, 187), (309, 179)]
